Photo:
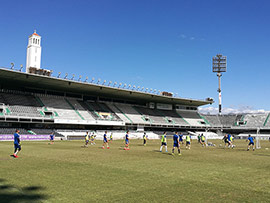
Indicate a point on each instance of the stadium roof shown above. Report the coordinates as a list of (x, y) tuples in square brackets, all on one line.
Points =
[(31, 81)]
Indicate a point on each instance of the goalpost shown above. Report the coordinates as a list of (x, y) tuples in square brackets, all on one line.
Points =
[(258, 138)]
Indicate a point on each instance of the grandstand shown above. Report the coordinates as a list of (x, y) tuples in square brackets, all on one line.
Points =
[(38, 104)]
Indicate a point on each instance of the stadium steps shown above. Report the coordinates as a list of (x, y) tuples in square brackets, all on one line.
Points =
[(205, 120), (165, 117), (45, 108), (91, 109), (182, 118), (8, 111), (122, 113), (31, 132), (266, 120), (74, 109), (142, 115)]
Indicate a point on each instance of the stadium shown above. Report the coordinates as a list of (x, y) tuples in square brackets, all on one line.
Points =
[(38, 103)]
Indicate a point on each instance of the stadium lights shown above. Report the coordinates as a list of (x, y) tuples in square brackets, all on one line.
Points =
[(66, 76), (129, 86), (12, 66), (80, 77), (86, 79), (133, 87), (124, 85), (73, 76), (115, 83), (59, 74), (104, 82), (110, 82), (154, 91), (98, 81), (21, 67), (142, 89), (219, 65), (120, 84), (138, 88), (159, 91), (92, 80), (146, 89), (150, 90)]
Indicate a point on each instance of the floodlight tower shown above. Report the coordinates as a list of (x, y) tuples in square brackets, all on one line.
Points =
[(219, 66)]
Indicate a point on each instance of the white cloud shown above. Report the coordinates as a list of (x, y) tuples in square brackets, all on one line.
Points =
[(240, 110)]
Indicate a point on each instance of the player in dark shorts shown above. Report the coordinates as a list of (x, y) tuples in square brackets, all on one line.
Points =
[(163, 142), (144, 139), (181, 138), (225, 139), (51, 138), (176, 143), (105, 141), (17, 143), (251, 142), (127, 141)]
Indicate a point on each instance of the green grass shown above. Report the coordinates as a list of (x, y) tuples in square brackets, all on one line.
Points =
[(66, 172)]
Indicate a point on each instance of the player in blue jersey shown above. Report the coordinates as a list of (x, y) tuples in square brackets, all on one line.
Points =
[(51, 138), (127, 141), (251, 142), (181, 138), (105, 141), (17, 143), (176, 143)]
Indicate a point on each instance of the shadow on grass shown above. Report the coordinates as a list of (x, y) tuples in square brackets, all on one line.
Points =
[(261, 154), (12, 194)]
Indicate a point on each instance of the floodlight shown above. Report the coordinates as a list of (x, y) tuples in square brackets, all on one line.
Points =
[(146, 89), (151, 90), (66, 76), (21, 67), (80, 77), (133, 87), (154, 90), (59, 74), (86, 79), (129, 86), (92, 80), (125, 85), (104, 82), (119, 85), (138, 88), (115, 83), (142, 89), (12, 66), (219, 66), (73, 75), (98, 81)]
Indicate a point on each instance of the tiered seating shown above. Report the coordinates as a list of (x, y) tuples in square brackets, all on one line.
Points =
[(254, 120), (213, 120), (120, 114), (155, 118), (193, 118), (21, 105), (62, 107), (228, 120), (174, 116), (82, 111), (100, 111), (132, 113), (11, 131)]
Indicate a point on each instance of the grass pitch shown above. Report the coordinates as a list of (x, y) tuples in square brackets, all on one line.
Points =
[(66, 172)]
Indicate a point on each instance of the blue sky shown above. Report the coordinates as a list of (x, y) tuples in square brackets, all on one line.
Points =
[(160, 44)]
